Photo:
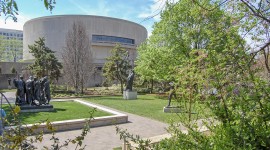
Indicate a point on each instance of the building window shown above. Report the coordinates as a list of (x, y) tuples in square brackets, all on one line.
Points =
[(104, 38)]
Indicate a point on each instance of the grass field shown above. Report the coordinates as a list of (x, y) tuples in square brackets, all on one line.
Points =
[(7, 90), (62, 111), (146, 106)]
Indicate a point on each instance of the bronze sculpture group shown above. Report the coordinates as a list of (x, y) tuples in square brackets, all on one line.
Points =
[(33, 91)]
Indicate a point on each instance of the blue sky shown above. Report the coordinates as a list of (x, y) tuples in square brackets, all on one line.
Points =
[(132, 10)]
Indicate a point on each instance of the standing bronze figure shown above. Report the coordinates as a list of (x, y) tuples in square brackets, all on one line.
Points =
[(130, 79), (20, 94)]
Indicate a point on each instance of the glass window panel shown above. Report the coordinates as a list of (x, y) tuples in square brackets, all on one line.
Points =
[(104, 38)]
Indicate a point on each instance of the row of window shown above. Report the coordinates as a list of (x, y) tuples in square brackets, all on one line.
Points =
[(11, 34), (13, 38), (104, 38)]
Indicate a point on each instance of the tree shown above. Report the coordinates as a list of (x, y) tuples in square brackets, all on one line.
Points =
[(77, 57), (181, 30), (225, 62), (117, 66), (10, 9), (2, 47), (15, 49), (46, 64)]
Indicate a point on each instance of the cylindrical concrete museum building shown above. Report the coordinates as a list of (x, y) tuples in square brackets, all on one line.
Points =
[(104, 33)]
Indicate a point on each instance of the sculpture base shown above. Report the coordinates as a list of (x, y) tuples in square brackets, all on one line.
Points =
[(171, 109), (130, 95), (42, 108), (9, 87)]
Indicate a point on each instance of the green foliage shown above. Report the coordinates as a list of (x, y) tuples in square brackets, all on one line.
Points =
[(184, 26), (2, 47), (15, 49), (46, 64), (124, 135), (206, 54), (9, 8), (117, 66)]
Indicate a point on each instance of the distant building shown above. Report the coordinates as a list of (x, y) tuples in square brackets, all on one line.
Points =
[(14, 48), (104, 33)]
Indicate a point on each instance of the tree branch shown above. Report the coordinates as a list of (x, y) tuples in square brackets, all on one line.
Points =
[(254, 12)]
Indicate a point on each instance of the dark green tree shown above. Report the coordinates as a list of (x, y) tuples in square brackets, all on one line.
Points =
[(46, 64), (117, 66)]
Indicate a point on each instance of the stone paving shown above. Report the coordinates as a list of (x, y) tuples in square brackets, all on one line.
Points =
[(105, 138), (10, 96)]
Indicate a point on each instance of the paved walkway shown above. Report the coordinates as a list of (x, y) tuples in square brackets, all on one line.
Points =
[(10, 96), (105, 138)]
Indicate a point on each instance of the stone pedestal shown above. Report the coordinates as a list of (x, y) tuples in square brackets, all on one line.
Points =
[(9, 87), (130, 95), (171, 109), (42, 108)]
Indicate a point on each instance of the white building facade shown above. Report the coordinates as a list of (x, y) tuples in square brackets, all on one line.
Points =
[(104, 33)]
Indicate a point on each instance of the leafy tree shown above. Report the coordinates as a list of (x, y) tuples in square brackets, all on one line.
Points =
[(10, 9), (15, 49), (219, 59), (77, 57), (46, 64), (117, 66), (180, 30), (2, 47)]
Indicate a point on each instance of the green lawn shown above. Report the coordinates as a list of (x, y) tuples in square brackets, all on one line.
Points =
[(62, 111), (7, 90), (146, 105)]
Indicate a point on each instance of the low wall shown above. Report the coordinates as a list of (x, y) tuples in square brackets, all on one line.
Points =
[(7, 66), (4, 80), (6, 73)]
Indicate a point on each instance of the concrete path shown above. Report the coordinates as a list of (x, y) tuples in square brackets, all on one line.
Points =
[(105, 138), (10, 96)]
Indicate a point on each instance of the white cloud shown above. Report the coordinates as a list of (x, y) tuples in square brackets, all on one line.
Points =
[(154, 10)]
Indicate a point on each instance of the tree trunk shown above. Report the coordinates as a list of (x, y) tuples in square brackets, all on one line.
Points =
[(152, 86), (82, 87), (122, 89)]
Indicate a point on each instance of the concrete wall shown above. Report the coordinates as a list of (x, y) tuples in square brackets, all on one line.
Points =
[(7, 66), (4, 80), (6, 72)]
